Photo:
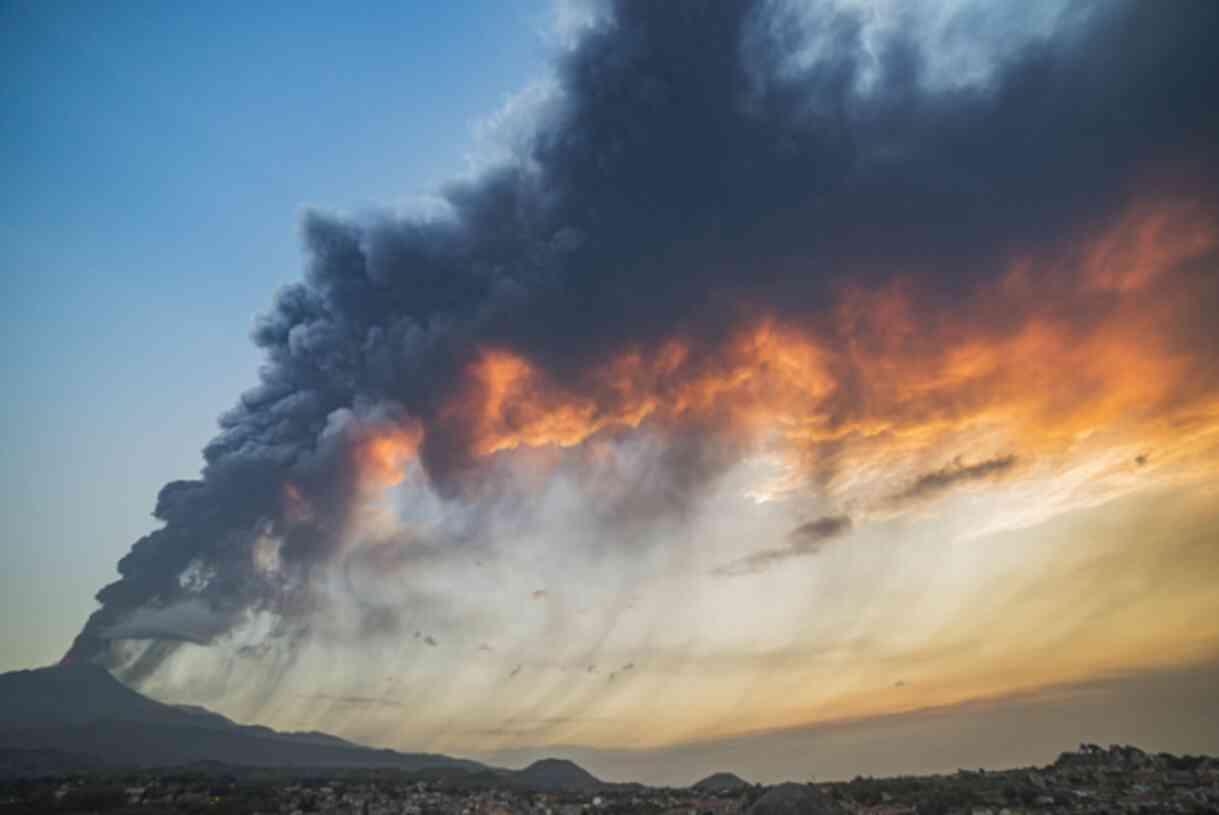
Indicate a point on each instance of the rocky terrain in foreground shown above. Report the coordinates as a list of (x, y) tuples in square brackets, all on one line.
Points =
[(1089, 780)]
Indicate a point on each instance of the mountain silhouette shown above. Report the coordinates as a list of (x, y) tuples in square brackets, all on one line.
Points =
[(720, 783), (556, 774), (795, 799), (79, 713)]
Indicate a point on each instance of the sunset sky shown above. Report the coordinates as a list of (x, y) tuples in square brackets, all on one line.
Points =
[(674, 387)]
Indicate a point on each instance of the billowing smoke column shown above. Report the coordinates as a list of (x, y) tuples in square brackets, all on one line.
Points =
[(695, 197)]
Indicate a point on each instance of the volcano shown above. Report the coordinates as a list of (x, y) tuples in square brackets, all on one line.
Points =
[(79, 715)]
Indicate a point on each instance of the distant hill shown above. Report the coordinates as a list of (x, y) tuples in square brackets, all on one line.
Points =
[(556, 774), (721, 783), (795, 799), (80, 714)]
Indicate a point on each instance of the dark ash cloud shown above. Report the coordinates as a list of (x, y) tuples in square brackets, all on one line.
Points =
[(689, 177), (804, 541)]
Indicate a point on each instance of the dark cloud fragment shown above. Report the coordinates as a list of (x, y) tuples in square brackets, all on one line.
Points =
[(935, 483), (804, 541), (809, 537)]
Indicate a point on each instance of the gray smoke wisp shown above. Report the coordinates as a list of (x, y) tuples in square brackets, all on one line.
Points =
[(937, 482), (805, 540)]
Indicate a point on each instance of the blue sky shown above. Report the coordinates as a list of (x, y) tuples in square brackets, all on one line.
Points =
[(157, 158)]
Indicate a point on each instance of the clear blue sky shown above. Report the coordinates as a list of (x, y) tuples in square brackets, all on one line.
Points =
[(156, 159)]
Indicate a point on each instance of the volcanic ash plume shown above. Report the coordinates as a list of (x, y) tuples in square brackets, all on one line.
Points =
[(735, 235)]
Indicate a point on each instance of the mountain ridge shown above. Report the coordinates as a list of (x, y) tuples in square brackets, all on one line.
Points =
[(80, 709)]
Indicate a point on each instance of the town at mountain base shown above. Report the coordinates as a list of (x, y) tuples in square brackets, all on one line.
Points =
[(1091, 780)]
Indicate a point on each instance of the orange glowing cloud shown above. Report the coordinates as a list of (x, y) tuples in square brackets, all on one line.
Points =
[(383, 452), (1066, 344), (1151, 239), (510, 403)]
